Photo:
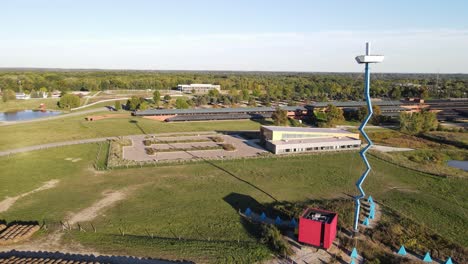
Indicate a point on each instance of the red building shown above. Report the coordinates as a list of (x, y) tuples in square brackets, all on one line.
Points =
[(318, 227)]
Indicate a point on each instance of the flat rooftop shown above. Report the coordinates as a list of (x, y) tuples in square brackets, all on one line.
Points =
[(214, 110), (318, 215), (313, 140), (307, 129)]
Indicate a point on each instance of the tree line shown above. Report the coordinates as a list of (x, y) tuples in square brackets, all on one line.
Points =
[(272, 86)]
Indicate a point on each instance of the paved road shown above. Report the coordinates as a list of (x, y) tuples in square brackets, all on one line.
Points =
[(53, 145), (100, 109)]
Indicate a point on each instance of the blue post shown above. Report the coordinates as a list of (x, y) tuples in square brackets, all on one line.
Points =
[(402, 251), (354, 253), (248, 212), (293, 223), (366, 222), (364, 150), (372, 214), (278, 220), (262, 217), (427, 257)]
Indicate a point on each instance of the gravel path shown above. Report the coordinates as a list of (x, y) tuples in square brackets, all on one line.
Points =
[(389, 149)]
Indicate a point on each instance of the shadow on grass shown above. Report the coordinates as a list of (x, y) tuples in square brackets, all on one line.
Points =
[(133, 121)]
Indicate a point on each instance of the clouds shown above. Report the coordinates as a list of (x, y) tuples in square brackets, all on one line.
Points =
[(442, 50)]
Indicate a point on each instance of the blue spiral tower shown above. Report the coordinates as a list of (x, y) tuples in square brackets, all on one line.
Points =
[(365, 59)]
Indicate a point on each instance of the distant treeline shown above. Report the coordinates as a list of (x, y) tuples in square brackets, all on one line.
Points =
[(275, 85)]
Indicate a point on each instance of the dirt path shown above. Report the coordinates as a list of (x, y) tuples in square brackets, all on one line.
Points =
[(53, 240), (389, 149), (9, 201), (92, 212)]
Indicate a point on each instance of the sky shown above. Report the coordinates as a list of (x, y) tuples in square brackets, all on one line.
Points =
[(240, 35)]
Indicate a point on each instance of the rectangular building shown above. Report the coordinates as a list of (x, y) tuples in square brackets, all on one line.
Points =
[(318, 227), (197, 88), (284, 140)]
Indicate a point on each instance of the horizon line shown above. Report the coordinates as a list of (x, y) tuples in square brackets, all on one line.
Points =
[(234, 71)]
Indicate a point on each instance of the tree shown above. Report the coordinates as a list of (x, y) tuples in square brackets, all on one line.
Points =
[(213, 93), (181, 103), (117, 105), (156, 97), (376, 117), (430, 121), (167, 97), (252, 102), (245, 94), (133, 103), (334, 115), (280, 117), (415, 123), (8, 95), (69, 101), (143, 105)]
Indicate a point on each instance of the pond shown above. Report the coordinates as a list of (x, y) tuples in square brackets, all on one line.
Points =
[(26, 115), (459, 164)]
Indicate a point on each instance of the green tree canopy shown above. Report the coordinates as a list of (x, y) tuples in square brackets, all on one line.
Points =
[(280, 117), (376, 117), (181, 103), (8, 95), (156, 97), (117, 105), (419, 122), (334, 115), (69, 101)]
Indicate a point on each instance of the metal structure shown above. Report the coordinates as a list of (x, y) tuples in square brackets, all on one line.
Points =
[(365, 59)]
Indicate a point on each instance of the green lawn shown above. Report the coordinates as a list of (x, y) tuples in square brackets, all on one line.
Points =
[(75, 127), (195, 201), (15, 105)]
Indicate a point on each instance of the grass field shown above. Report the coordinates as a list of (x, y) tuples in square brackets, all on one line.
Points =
[(75, 127), (194, 201), (15, 105)]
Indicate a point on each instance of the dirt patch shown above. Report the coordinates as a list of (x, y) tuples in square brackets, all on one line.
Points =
[(9, 201), (100, 117), (92, 212)]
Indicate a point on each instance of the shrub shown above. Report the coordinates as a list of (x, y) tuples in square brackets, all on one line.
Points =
[(217, 139), (228, 147), (150, 151), (272, 236)]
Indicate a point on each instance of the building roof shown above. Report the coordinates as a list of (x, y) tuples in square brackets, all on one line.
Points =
[(307, 129), (356, 103), (214, 110), (315, 140)]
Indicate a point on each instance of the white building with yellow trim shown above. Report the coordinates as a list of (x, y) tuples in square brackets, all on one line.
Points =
[(283, 140)]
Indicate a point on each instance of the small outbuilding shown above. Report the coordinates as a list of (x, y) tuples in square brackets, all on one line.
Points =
[(318, 227)]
